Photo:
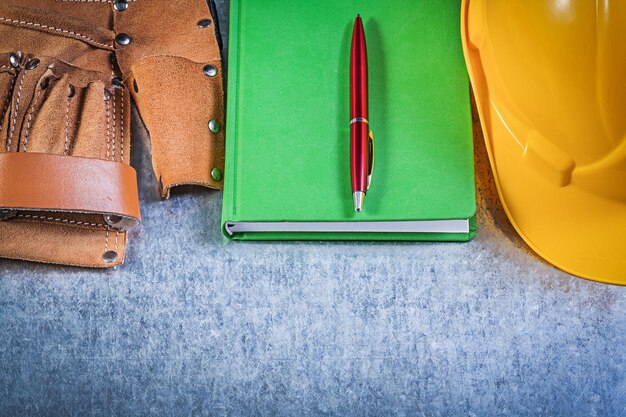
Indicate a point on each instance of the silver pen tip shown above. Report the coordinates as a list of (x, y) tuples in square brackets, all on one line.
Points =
[(358, 196)]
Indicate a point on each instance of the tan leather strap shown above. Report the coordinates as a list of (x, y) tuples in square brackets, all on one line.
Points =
[(58, 183)]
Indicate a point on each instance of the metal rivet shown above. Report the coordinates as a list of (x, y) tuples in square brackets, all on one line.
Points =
[(32, 63), (214, 126), (44, 83), (117, 82), (120, 222), (112, 219), (109, 256), (14, 60), (135, 86), (120, 5), (204, 23), (210, 70), (216, 174), (122, 39), (71, 91)]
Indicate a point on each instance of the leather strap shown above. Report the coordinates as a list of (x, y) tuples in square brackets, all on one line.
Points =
[(59, 183)]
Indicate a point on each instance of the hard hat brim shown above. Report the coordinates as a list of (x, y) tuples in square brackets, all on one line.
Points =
[(581, 233)]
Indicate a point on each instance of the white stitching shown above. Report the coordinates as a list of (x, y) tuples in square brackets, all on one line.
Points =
[(106, 241), (117, 235), (107, 100), (67, 126), (31, 216), (30, 119), (123, 122), (5, 108), (70, 32), (16, 110), (114, 126), (114, 95)]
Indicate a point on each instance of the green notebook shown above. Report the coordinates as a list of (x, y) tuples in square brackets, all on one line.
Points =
[(287, 170)]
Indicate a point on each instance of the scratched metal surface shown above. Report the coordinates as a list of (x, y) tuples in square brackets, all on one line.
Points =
[(192, 326)]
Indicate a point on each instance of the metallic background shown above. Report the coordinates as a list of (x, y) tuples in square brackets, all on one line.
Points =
[(191, 325)]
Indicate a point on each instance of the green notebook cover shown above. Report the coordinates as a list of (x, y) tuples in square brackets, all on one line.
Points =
[(287, 172)]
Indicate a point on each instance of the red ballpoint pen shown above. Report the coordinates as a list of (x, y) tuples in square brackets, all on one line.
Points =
[(361, 138)]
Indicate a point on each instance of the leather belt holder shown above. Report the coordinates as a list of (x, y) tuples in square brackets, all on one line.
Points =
[(67, 184)]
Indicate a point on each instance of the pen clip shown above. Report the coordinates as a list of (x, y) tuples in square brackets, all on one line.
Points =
[(370, 170)]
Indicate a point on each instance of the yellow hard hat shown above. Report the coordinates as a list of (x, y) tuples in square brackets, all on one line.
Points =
[(549, 77)]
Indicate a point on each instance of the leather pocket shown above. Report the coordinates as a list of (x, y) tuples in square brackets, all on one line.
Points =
[(7, 83), (69, 112), (51, 21), (68, 118)]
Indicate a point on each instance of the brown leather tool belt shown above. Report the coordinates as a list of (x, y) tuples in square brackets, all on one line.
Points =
[(68, 72)]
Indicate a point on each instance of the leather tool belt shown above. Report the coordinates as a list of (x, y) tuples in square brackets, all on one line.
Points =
[(68, 70)]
